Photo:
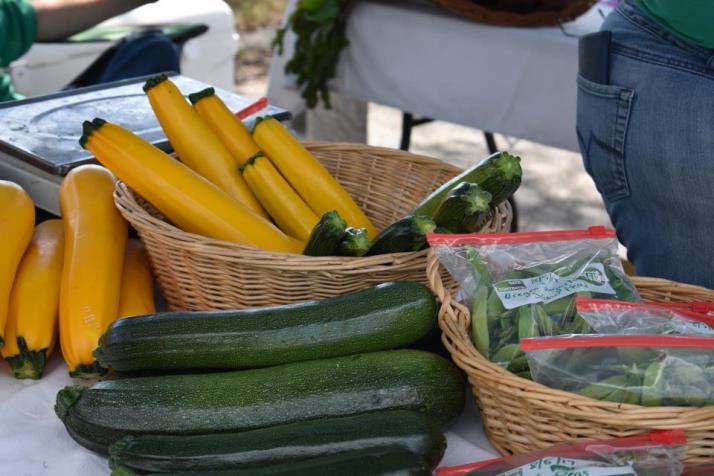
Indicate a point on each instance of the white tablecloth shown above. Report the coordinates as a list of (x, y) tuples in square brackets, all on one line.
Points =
[(515, 81), (33, 441)]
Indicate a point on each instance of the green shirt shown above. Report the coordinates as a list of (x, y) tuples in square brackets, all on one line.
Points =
[(693, 20), (18, 29)]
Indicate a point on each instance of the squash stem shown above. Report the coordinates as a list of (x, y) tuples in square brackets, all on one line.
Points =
[(28, 363), (198, 95), (66, 398)]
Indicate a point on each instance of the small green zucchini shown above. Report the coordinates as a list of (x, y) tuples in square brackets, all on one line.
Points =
[(466, 209), (407, 234), (382, 317), (499, 174), (244, 400), (355, 242), (326, 236), (289, 443), (384, 461)]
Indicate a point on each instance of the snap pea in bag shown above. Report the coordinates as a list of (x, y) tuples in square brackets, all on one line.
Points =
[(654, 454), (649, 370), (605, 316), (520, 285)]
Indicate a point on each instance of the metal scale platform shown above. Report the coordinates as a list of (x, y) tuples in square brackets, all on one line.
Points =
[(39, 136)]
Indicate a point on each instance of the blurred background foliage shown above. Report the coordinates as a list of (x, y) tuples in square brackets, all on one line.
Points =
[(251, 15)]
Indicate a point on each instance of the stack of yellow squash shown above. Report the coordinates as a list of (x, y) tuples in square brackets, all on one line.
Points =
[(69, 278)]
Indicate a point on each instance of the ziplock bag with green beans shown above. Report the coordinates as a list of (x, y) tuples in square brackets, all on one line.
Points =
[(659, 370), (658, 453), (606, 316), (520, 285)]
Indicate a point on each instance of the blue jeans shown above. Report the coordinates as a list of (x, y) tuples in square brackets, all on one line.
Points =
[(647, 140)]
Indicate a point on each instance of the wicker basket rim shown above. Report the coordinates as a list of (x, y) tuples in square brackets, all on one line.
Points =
[(531, 389), (125, 200)]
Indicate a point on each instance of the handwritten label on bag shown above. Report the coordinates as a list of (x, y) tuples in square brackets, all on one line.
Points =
[(555, 466), (552, 286)]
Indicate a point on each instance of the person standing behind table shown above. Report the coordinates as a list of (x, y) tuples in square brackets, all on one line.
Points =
[(647, 135), (23, 22)]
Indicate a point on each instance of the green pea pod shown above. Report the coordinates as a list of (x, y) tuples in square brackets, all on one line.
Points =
[(620, 283), (479, 321), (602, 390), (526, 324), (519, 363), (545, 323), (505, 354), (525, 374), (652, 385), (559, 307), (482, 273), (495, 306)]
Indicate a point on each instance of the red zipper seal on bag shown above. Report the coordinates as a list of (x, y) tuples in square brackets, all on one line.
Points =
[(687, 310), (577, 450), (701, 307), (248, 111), (455, 239), (599, 340)]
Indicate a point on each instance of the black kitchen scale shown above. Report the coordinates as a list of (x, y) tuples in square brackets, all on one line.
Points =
[(39, 136)]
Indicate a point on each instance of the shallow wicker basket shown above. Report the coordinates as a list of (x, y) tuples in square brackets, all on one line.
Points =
[(521, 416), (199, 273), (530, 13)]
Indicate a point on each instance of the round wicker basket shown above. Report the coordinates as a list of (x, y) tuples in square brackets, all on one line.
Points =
[(200, 273), (518, 12), (520, 416)]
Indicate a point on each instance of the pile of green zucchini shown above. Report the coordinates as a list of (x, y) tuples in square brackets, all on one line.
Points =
[(464, 204), (325, 387)]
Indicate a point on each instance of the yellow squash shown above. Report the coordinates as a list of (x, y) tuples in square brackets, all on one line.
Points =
[(137, 284), (308, 176), (95, 237), (17, 219), (183, 196), (195, 143), (288, 210), (231, 130), (31, 329)]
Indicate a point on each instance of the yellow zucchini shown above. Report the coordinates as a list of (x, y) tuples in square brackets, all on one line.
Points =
[(308, 176), (95, 237), (195, 143), (231, 130), (17, 219), (288, 210), (137, 284), (183, 196), (31, 329)]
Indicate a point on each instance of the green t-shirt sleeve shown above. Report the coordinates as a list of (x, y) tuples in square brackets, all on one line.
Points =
[(18, 29)]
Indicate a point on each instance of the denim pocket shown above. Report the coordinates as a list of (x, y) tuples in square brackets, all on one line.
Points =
[(603, 116)]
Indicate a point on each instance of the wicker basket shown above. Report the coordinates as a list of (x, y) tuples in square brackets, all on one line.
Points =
[(521, 416), (518, 12), (199, 273)]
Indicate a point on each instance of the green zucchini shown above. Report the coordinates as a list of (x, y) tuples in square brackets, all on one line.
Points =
[(354, 243), (406, 429), (326, 236), (243, 400), (384, 461), (387, 316), (407, 234), (466, 209), (499, 174)]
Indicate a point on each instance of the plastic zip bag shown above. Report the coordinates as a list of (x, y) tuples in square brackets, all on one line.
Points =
[(700, 307), (520, 285), (654, 454), (606, 316), (647, 370)]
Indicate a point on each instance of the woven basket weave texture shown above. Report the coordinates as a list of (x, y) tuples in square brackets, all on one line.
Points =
[(519, 13), (200, 273), (520, 416)]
